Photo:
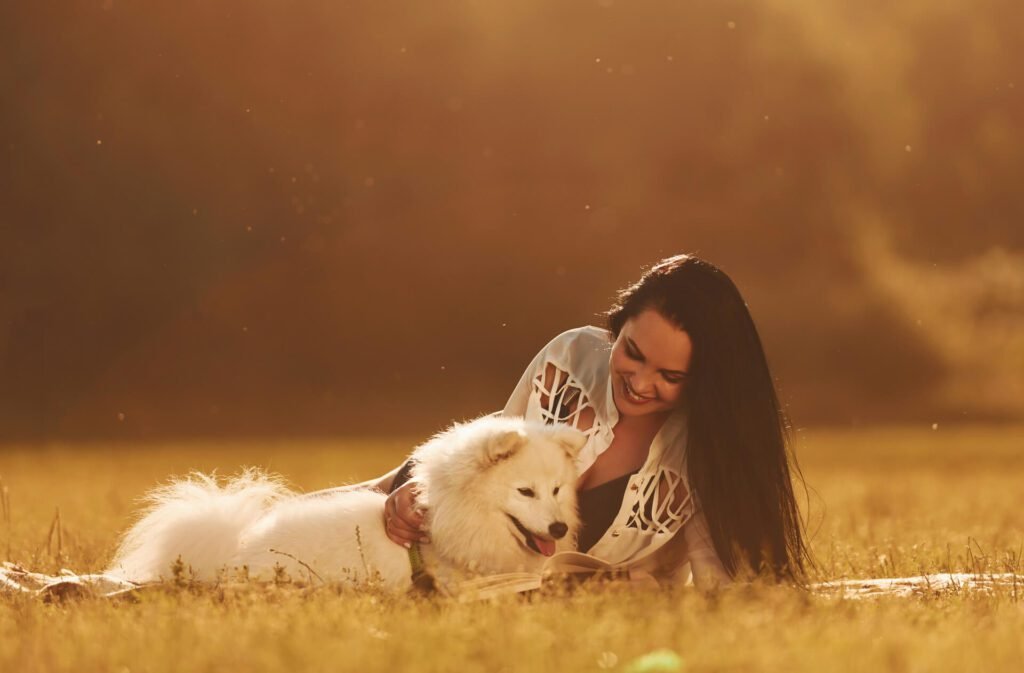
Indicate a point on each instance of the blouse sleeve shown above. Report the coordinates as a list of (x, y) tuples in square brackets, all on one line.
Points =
[(517, 402), (705, 565), (558, 347)]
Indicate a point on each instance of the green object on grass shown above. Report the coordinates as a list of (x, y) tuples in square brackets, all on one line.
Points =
[(422, 581), (416, 559), (658, 661)]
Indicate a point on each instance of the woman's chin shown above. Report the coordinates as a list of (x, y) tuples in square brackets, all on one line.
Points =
[(639, 412)]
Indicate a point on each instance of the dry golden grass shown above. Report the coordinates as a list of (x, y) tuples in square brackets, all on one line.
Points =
[(886, 502)]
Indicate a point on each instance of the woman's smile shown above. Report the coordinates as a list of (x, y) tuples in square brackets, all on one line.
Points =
[(632, 397)]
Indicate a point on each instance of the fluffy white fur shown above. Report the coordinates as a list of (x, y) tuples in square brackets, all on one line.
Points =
[(472, 479)]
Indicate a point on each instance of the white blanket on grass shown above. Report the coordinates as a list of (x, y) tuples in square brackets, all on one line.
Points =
[(15, 579)]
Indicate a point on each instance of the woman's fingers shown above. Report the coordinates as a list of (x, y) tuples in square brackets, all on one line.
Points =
[(405, 507), (403, 521), (401, 534), (408, 511)]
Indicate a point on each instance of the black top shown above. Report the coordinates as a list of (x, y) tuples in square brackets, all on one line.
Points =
[(598, 505)]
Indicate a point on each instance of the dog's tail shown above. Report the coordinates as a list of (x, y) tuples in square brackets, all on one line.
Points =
[(197, 520)]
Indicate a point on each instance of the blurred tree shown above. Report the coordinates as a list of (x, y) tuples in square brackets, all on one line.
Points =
[(238, 218)]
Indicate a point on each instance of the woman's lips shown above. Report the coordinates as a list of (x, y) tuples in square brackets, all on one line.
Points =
[(632, 397)]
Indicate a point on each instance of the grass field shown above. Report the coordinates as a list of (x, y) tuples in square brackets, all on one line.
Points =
[(884, 502)]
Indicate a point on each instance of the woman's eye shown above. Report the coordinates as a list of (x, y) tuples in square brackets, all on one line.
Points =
[(632, 354), (528, 492), (673, 380)]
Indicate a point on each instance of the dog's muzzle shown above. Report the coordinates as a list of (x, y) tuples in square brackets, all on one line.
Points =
[(538, 543)]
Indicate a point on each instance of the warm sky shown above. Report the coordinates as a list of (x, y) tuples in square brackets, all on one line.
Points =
[(242, 218)]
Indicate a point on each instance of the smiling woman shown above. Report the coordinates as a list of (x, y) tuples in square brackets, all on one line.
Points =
[(685, 473)]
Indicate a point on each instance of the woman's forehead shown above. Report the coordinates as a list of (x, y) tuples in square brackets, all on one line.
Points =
[(659, 340)]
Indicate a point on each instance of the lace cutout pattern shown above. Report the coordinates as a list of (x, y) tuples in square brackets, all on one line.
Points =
[(562, 400), (662, 503)]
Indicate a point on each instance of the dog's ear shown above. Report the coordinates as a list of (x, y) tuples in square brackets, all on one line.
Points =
[(570, 439), (503, 445)]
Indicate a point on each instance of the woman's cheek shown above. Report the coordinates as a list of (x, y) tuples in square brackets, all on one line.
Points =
[(670, 393), (621, 366)]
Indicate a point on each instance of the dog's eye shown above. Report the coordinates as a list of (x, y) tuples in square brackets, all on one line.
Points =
[(555, 492), (528, 492)]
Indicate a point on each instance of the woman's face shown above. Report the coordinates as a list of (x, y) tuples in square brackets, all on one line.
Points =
[(649, 363)]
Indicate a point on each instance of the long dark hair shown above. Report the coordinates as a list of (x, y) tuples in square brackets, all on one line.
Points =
[(738, 456)]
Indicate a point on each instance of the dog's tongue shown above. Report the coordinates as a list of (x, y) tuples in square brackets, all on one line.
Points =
[(546, 547)]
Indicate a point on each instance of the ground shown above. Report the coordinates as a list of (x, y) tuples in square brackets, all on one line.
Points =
[(882, 502)]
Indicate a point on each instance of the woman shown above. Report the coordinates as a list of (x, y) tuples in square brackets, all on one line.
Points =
[(686, 469)]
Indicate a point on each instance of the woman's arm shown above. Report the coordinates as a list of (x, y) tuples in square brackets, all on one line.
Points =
[(385, 484), (382, 484), (403, 521)]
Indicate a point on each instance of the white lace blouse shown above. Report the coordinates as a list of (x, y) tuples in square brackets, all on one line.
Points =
[(659, 528)]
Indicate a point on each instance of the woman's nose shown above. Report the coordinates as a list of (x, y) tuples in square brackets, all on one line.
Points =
[(642, 383)]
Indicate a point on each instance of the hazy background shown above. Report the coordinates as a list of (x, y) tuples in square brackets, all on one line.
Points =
[(242, 218)]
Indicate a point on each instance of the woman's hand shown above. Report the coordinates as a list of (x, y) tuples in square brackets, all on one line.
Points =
[(403, 520)]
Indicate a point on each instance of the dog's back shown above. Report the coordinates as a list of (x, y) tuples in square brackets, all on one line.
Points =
[(197, 520), (334, 537)]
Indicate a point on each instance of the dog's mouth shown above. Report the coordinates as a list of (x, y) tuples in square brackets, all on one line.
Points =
[(534, 542)]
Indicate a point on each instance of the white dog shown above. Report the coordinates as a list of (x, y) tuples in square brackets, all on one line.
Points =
[(499, 493)]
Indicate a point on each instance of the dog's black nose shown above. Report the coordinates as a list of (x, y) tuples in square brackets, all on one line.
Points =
[(558, 530)]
